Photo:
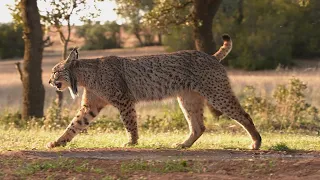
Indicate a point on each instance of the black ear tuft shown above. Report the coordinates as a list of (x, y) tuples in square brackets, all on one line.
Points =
[(73, 55), (75, 49)]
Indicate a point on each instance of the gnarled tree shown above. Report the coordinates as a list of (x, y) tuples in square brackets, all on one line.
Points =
[(33, 90), (198, 14)]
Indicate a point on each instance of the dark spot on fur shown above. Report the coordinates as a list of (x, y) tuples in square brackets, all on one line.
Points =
[(72, 130), (86, 122), (92, 114), (79, 122)]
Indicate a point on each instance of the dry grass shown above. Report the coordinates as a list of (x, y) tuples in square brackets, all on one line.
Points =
[(264, 81)]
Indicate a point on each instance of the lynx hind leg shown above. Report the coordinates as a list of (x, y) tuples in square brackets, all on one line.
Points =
[(227, 103), (214, 112), (191, 104), (129, 118)]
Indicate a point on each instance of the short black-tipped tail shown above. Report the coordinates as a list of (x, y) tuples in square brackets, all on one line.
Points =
[(225, 48), (226, 37)]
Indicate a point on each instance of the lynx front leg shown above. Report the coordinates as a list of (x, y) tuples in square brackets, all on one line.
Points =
[(80, 122), (91, 106)]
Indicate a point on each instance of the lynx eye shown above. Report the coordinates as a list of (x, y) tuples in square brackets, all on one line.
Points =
[(55, 74)]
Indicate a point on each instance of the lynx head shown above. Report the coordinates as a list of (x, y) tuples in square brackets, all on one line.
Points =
[(62, 76)]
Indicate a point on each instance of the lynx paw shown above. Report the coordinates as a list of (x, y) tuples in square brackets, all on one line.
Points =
[(129, 144), (54, 144), (180, 146), (51, 145), (255, 145)]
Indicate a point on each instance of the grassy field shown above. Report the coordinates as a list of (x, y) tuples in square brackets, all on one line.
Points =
[(13, 140)]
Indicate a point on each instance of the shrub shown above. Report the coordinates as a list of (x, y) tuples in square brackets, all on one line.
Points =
[(105, 124), (292, 106), (14, 120), (288, 109), (11, 44), (280, 147), (55, 119), (172, 120), (11, 119), (179, 38), (99, 36)]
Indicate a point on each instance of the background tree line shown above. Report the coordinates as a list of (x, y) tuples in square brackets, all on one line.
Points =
[(265, 33)]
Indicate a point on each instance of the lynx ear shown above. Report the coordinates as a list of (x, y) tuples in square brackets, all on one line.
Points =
[(73, 55)]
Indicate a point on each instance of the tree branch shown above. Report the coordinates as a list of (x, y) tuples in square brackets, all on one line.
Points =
[(69, 31), (176, 21), (62, 38), (172, 6), (47, 42), (18, 67), (182, 6)]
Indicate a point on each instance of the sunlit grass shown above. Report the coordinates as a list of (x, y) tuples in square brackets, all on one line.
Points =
[(36, 140)]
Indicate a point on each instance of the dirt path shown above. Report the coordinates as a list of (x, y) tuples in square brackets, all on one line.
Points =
[(165, 154), (118, 163)]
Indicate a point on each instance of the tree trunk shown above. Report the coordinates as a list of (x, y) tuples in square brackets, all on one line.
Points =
[(137, 34), (159, 39), (203, 13), (240, 12), (33, 90), (65, 50)]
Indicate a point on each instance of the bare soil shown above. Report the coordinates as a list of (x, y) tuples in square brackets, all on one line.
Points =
[(204, 164)]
